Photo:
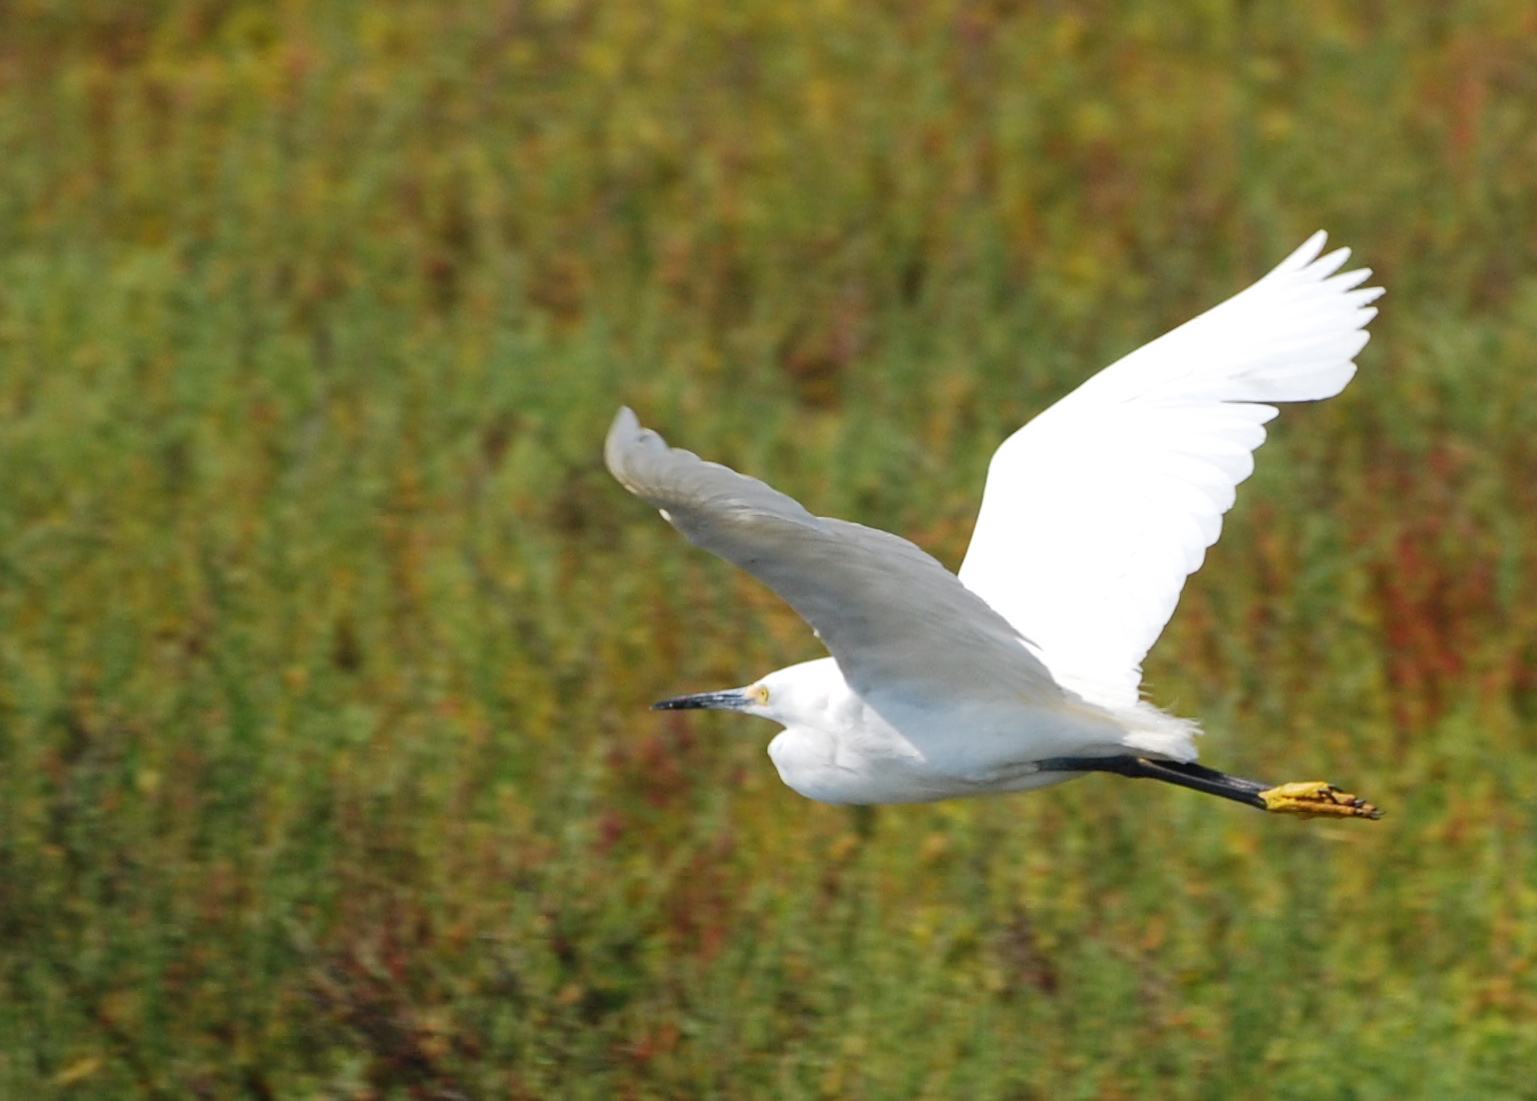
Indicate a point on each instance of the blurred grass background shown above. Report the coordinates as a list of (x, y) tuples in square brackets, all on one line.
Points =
[(326, 642)]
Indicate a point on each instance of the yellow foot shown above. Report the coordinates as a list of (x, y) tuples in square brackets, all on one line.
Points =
[(1314, 798)]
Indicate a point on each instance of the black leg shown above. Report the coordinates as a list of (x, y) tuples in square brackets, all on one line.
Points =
[(1196, 777), (1307, 799)]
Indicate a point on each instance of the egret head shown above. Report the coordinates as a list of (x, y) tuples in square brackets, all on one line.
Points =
[(799, 694), (752, 700)]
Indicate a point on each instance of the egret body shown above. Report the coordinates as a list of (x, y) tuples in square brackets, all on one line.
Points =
[(1024, 670)]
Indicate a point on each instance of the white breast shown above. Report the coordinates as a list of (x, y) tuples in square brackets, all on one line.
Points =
[(838, 747)]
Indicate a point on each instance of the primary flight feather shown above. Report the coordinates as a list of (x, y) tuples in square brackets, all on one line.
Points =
[(1024, 669)]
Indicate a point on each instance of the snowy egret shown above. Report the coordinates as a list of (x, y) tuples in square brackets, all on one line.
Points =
[(1024, 670)]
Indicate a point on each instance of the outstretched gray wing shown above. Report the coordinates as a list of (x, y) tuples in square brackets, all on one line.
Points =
[(894, 618)]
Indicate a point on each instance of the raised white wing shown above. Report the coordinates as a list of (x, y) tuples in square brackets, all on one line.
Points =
[(1097, 510), (896, 620)]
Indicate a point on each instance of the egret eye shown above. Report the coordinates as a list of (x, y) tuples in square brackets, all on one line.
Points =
[(759, 693)]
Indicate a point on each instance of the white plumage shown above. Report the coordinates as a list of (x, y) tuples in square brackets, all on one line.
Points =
[(1093, 515), (1097, 510)]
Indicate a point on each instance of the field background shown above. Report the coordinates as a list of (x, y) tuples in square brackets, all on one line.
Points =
[(326, 641)]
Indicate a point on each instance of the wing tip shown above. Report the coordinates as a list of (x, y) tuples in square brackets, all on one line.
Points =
[(1310, 257), (1305, 253), (1315, 270), (623, 435), (625, 417)]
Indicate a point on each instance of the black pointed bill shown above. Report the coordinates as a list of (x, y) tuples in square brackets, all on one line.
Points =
[(736, 699)]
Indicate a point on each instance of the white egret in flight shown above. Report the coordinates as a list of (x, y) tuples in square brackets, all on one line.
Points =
[(1024, 670)]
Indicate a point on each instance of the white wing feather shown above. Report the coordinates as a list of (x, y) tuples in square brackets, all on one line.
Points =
[(1097, 510), (899, 624)]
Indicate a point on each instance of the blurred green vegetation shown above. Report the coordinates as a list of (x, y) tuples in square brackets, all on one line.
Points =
[(326, 642)]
